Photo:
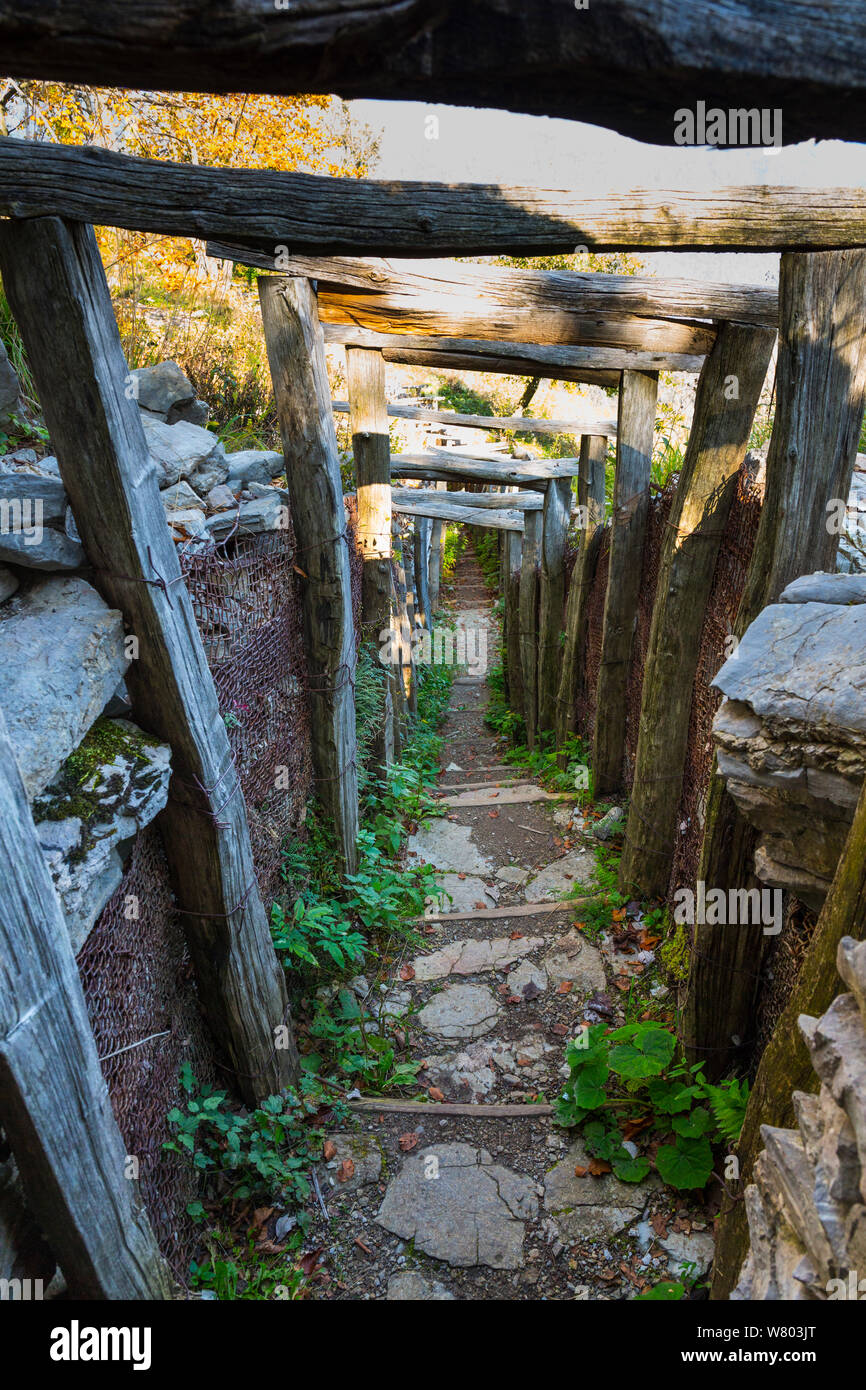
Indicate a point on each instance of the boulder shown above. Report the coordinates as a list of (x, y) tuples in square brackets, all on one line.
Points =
[(61, 658), (162, 388), (185, 451), (180, 498), (219, 499), (9, 386), (113, 785), (254, 466), (188, 524), (33, 512), (265, 513), (791, 731)]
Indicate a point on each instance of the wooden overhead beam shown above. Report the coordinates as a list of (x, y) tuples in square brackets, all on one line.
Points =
[(615, 359), (525, 501), (578, 292), (612, 65), (519, 424), (502, 520), (445, 316), (449, 464), (311, 212), (506, 366)]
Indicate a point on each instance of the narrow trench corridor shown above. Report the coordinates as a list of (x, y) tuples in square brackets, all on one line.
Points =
[(497, 1201)]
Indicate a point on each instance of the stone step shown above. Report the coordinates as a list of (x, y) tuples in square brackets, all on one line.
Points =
[(506, 796)]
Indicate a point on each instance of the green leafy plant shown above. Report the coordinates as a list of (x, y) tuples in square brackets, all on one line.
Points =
[(633, 1069), (359, 1046), (243, 1152), (311, 928)]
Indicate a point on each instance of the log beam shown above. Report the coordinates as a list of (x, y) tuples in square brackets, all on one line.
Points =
[(501, 520), (52, 274), (636, 423), (590, 495), (296, 355), (727, 397), (518, 424)]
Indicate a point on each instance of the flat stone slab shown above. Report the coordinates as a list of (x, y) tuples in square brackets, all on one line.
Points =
[(448, 846), (409, 1285), (471, 957), (457, 1205), (512, 873), (588, 1208), (571, 871), (573, 958), (460, 1011), (528, 980), (356, 1163), (465, 892)]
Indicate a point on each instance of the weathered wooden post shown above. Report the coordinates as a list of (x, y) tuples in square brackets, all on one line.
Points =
[(371, 448), (421, 559), (727, 397), (404, 617), (513, 557), (528, 622), (590, 499), (554, 530), (820, 390), (53, 275), (435, 563), (54, 1104), (634, 443), (296, 354)]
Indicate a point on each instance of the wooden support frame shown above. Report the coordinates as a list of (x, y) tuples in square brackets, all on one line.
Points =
[(727, 397), (590, 497), (820, 391), (525, 501), (636, 423), (518, 424), (297, 360), (371, 449), (502, 520), (524, 358), (528, 622), (53, 274), (453, 464), (449, 320), (54, 1105), (554, 530), (492, 362), (421, 554), (404, 617), (435, 563), (513, 559)]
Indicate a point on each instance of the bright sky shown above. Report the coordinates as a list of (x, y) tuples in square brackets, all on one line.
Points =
[(503, 147)]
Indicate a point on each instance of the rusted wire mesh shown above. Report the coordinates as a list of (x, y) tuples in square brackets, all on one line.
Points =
[(135, 970)]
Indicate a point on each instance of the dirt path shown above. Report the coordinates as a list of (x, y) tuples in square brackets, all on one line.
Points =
[(485, 1206)]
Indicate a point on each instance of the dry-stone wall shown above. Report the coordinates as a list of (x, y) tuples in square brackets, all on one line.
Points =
[(791, 731), (807, 1204)]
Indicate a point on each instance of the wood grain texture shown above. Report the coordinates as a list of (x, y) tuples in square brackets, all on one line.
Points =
[(54, 1105), (513, 558), (625, 64), (525, 501), (532, 356), (590, 494), (718, 439), (312, 212), (449, 362), (296, 355), (637, 410), (53, 277), (517, 423), (576, 292), (502, 520), (446, 316), (820, 394), (554, 529), (527, 617)]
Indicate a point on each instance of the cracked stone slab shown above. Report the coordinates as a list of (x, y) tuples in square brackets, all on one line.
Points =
[(529, 977), (512, 873), (571, 871), (465, 893), (457, 1205), (357, 1162), (460, 1011), (448, 846), (575, 959), (471, 957), (587, 1208)]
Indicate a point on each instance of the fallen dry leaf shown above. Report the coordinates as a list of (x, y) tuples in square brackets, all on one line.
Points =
[(516, 936), (565, 987), (580, 1172), (493, 814), (560, 1029), (407, 973), (598, 1167), (329, 1149), (524, 1061), (481, 906), (435, 1094), (346, 1170), (408, 1141)]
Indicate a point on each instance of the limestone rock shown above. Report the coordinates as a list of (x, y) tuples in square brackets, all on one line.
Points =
[(61, 658), (586, 1208), (609, 825), (471, 957), (188, 524), (448, 846), (575, 959), (357, 1162), (460, 893), (528, 980), (574, 869), (162, 388), (180, 497), (33, 511), (460, 1011), (260, 514), (408, 1285), (220, 498), (185, 451), (125, 786), (254, 465), (458, 1206)]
